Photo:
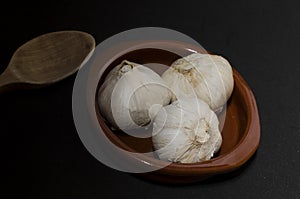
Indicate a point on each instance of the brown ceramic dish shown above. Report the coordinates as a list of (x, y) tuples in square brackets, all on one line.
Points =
[(241, 131)]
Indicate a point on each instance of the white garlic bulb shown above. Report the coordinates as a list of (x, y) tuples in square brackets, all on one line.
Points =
[(186, 131), (131, 95), (209, 77)]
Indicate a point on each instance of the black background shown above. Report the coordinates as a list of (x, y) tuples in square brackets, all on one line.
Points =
[(41, 152)]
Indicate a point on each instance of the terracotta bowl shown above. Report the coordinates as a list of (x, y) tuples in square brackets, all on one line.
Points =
[(240, 132)]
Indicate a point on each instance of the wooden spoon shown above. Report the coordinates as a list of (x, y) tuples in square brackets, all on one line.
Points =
[(47, 59)]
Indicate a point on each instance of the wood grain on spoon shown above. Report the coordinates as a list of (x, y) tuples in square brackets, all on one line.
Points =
[(47, 59)]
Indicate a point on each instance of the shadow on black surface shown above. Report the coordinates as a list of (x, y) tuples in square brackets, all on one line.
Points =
[(212, 180)]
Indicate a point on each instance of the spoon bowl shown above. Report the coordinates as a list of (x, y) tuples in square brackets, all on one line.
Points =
[(47, 59)]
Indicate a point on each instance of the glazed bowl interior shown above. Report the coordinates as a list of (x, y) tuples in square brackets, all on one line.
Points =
[(239, 132), (235, 115)]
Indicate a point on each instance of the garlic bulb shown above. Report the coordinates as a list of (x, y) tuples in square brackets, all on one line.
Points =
[(186, 131), (131, 95), (209, 77)]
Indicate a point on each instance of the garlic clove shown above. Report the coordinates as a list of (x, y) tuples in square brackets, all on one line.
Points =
[(186, 131), (209, 77), (128, 93)]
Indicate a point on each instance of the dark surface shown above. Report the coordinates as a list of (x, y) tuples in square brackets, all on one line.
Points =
[(42, 154)]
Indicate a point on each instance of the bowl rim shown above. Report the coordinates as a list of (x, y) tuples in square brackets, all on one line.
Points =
[(229, 161)]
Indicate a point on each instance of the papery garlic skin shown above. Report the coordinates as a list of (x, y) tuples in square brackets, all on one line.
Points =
[(186, 131), (209, 77), (129, 93)]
